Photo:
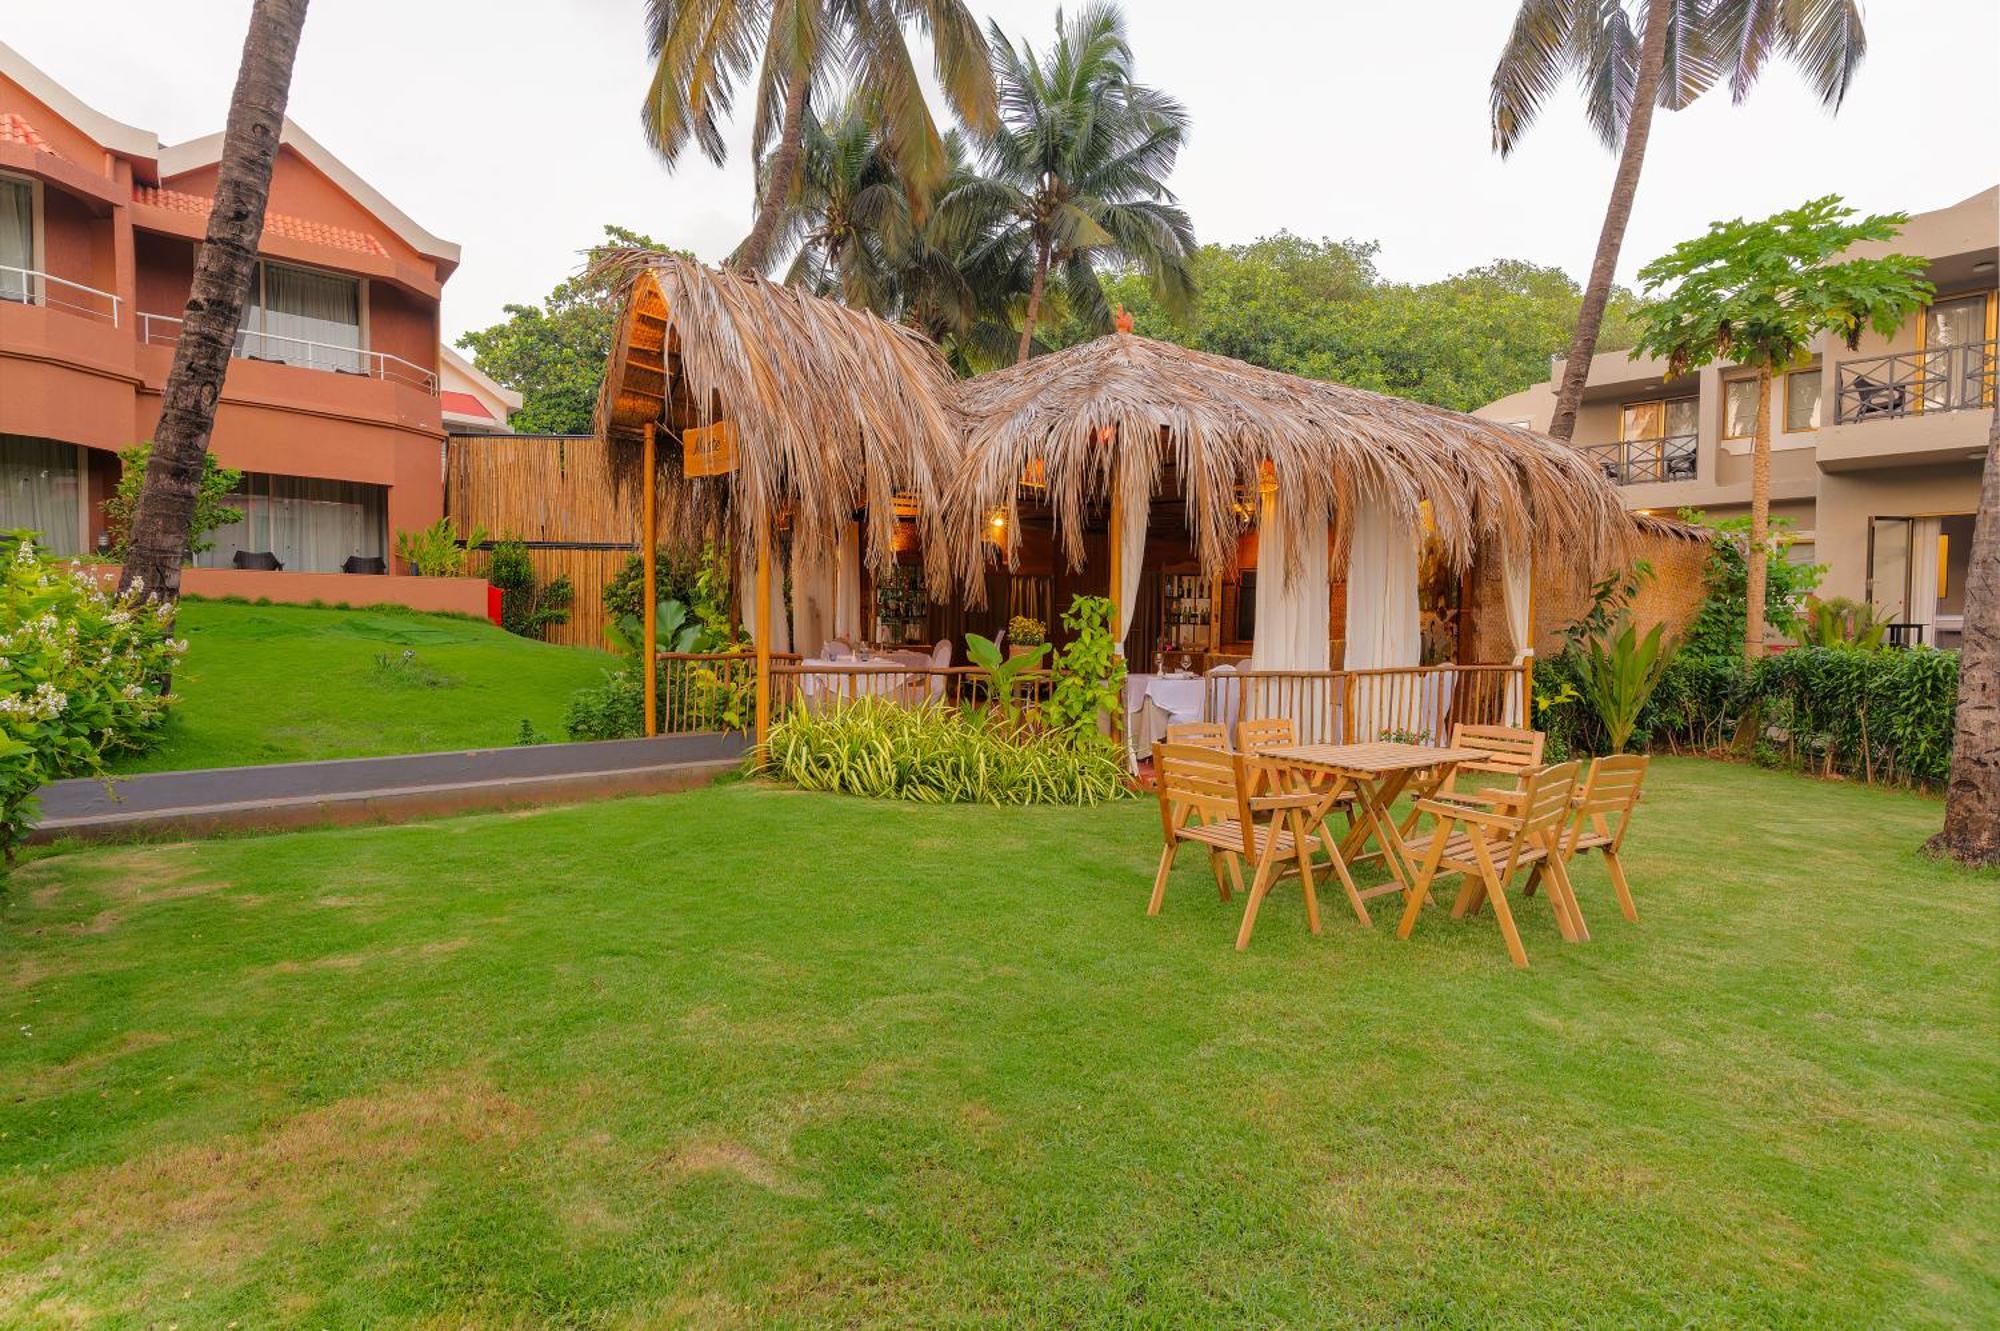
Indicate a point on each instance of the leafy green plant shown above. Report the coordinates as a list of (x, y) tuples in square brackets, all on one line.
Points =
[(1089, 673), (1620, 672), (81, 672), (1611, 600), (1003, 673), (528, 607), (613, 709), (212, 508), (933, 755), (1841, 622), (1718, 626), (435, 551), (527, 736), (407, 670)]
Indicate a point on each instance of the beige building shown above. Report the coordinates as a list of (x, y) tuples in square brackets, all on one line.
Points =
[(1875, 451)]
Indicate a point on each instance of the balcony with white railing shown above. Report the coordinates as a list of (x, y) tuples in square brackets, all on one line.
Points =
[(1646, 461), (1914, 383), (28, 286), (272, 348)]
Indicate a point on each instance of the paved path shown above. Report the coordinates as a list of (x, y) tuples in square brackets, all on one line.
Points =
[(351, 790)]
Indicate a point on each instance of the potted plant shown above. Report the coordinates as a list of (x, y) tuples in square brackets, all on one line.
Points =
[(1025, 635)]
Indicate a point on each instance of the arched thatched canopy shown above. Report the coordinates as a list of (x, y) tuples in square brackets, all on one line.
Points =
[(823, 410), (1125, 410)]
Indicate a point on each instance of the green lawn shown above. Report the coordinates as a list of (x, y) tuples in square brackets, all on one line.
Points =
[(284, 683), (747, 1056)]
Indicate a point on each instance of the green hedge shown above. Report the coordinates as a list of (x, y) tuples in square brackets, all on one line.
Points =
[(1880, 716)]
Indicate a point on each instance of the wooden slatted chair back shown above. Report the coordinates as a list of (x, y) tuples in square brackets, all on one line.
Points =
[(1208, 734), (1206, 782), (1604, 805), (1546, 797), (1510, 751), (1271, 732)]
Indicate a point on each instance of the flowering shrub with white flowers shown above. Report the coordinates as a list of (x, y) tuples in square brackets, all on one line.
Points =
[(80, 676)]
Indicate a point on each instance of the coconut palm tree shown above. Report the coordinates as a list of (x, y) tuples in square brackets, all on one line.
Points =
[(225, 264), (1077, 173), (1674, 52), (1972, 799), (702, 50)]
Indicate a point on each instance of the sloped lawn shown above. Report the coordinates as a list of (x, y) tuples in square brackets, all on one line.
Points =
[(285, 683), (746, 1057)]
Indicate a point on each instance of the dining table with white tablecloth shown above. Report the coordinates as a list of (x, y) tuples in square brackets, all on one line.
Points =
[(901, 675), (1154, 702)]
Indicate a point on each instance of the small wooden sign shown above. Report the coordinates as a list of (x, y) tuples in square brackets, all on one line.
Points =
[(709, 450)]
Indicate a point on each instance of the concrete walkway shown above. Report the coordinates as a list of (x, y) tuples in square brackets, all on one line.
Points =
[(355, 790)]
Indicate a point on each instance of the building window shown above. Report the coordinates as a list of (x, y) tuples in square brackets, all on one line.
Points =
[(41, 489), (311, 525), (1739, 409), (301, 316), (17, 238), (1802, 400)]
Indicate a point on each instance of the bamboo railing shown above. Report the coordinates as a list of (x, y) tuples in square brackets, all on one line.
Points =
[(1418, 704)]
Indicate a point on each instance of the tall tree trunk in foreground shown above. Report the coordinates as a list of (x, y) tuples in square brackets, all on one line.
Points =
[(1624, 188), (159, 538), (755, 251), (1972, 800), (1755, 574), (1034, 313)]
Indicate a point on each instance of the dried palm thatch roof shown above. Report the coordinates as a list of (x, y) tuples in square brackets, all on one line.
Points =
[(1073, 418), (834, 408)]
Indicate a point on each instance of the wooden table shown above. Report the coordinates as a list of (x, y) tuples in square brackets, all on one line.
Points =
[(1377, 774)]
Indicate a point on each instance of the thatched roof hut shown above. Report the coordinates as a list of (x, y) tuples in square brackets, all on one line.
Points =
[(1130, 411), (822, 409)]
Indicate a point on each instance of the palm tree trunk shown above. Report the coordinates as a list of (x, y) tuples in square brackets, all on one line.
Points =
[(1972, 799), (1035, 291), (755, 251), (159, 537), (1624, 188), (1760, 522)]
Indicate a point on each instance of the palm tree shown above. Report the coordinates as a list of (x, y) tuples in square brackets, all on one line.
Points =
[(1972, 799), (1679, 50), (702, 49), (1078, 173), (227, 260)]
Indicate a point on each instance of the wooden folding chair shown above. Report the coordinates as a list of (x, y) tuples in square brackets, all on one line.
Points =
[(1254, 738), (1210, 735), (1489, 845), (1511, 752), (1603, 815), (1205, 797)]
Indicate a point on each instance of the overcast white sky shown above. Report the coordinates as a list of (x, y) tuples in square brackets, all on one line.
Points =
[(510, 126)]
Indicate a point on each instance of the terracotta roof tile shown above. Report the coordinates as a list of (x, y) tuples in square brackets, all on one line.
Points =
[(278, 224), (15, 129)]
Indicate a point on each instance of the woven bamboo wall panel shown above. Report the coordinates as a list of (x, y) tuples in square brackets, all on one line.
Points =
[(588, 571), (538, 488), (1673, 596)]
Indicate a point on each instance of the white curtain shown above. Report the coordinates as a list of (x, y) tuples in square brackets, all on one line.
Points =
[(1384, 622), (779, 627), (17, 237), (1924, 574), (311, 525), (847, 586), (1135, 509), (1516, 573), (1292, 625), (39, 490), (298, 306), (815, 583)]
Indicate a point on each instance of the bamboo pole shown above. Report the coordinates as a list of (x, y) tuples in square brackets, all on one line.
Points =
[(762, 634), (648, 558)]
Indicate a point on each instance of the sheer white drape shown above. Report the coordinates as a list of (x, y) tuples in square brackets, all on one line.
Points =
[(1516, 595), (847, 586), (1384, 624), (1135, 508), (299, 306), (815, 583), (311, 525), (779, 628), (40, 482), (1292, 625), (1923, 574), (17, 237)]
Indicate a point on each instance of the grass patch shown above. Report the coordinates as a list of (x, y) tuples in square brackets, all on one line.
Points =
[(282, 683), (751, 1056)]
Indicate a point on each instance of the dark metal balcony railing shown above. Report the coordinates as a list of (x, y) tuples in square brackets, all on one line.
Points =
[(1643, 461), (1906, 383)]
